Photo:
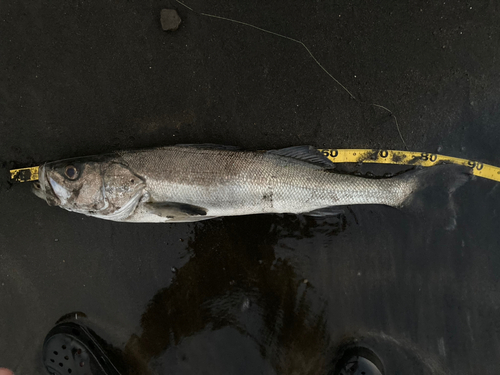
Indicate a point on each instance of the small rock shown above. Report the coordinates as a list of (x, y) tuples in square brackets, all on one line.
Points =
[(170, 20)]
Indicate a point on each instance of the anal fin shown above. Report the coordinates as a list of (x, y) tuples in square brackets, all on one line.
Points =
[(326, 211)]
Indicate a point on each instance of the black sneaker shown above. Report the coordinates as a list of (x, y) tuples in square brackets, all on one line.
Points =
[(73, 349), (359, 361)]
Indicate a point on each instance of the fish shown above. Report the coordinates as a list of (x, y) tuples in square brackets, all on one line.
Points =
[(188, 183)]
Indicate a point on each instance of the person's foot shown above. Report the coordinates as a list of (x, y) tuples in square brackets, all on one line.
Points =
[(73, 349), (5, 371), (359, 361)]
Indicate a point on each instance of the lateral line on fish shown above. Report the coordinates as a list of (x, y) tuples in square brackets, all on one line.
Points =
[(312, 56), (423, 159)]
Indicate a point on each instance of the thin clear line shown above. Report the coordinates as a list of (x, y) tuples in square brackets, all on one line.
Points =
[(310, 54)]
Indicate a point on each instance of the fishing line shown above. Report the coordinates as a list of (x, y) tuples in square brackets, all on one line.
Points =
[(310, 54)]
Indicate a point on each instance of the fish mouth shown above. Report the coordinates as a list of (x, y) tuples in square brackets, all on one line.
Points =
[(44, 189)]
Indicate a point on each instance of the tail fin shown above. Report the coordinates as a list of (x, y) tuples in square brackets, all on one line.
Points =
[(433, 189)]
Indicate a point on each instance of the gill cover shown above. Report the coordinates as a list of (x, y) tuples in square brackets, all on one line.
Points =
[(101, 187), (121, 189)]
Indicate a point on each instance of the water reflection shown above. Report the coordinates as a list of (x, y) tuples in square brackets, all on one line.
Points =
[(293, 294), (235, 279)]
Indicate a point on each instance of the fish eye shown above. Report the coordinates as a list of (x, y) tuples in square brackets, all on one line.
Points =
[(71, 172)]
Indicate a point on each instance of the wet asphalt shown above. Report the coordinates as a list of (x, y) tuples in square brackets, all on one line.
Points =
[(268, 294)]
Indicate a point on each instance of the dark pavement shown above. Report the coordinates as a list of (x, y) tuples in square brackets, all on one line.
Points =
[(264, 294)]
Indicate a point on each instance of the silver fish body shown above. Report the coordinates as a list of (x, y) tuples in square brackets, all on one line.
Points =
[(189, 183)]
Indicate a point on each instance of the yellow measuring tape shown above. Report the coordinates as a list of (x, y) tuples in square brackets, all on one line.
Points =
[(424, 159), (24, 174)]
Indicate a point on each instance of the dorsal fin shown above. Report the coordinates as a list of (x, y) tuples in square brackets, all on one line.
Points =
[(304, 153), (210, 146)]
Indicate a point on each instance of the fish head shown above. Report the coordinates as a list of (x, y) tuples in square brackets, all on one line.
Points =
[(103, 188)]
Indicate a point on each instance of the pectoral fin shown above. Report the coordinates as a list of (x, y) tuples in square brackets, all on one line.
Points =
[(174, 211)]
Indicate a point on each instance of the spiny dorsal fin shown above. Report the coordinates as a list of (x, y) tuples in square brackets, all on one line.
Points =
[(305, 153), (210, 146)]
